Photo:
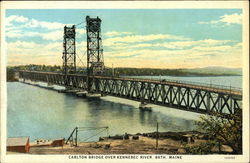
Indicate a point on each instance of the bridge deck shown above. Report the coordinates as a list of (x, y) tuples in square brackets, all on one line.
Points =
[(194, 85), (211, 88), (197, 97)]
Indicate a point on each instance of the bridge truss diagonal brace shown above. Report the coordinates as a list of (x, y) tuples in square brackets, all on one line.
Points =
[(189, 99)]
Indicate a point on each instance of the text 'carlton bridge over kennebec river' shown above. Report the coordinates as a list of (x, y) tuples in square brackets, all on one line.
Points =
[(195, 97)]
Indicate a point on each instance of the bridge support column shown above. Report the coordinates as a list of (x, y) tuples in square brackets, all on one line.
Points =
[(179, 96), (171, 95), (219, 103), (188, 94), (208, 101), (230, 104), (197, 99)]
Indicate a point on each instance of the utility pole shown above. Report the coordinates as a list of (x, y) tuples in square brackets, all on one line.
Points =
[(157, 135), (76, 135), (112, 70)]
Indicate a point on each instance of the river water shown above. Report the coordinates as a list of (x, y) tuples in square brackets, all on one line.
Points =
[(46, 114)]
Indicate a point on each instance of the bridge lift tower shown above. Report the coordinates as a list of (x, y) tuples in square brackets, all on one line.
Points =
[(69, 51), (95, 61)]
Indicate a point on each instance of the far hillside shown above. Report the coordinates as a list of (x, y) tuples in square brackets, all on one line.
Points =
[(208, 71), (215, 70)]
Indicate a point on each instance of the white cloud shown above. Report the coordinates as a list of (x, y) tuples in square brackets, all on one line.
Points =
[(213, 49), (81, 47), (32, 28), (168, 44), (55, 35), (50, 53), (14, 33), (23, 52), (80, 31), (127, 49), (201, 51), (20, 44), (33, 23), (143, 38), (200, 56), (51, 30), (32, 49), (226, 19), (125, 41), (231, 19), (115, 33), (15, 18)]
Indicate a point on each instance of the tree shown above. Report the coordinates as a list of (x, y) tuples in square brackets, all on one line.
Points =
[(224, 129)]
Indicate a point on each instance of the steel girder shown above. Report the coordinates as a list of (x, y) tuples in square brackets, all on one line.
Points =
[(183, 97)]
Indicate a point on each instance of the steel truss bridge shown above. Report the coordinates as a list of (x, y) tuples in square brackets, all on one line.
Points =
[(185, 96)]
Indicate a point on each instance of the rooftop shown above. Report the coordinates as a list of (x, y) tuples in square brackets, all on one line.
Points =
[(18, 141)]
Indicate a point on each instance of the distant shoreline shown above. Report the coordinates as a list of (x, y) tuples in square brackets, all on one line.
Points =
[(205, 75), (122, 71), (16, 80)]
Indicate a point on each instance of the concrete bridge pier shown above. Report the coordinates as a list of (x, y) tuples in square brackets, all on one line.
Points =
[(92, 95), (71, 91), (145, 107), (35, 82), (81, 94), (50, 86)]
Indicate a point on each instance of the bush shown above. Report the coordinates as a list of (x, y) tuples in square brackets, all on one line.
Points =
[(222, 129)]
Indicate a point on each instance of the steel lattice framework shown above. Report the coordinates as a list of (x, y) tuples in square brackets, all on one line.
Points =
[(185, 96), (95, 61), (69, 50), (189, 97)]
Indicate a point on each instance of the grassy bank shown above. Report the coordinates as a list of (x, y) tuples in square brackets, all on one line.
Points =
[(168, 143)]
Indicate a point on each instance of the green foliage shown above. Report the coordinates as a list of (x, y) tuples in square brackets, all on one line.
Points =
[(33, 67), (123, 71), (203, 148), (223, 129), (11, 75), (157, 72)]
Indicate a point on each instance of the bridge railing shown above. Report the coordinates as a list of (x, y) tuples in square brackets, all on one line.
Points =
[(195, 84), (211, 85), (216, 86)]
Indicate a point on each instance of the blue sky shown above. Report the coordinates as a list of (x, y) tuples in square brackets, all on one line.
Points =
[(157, 38)]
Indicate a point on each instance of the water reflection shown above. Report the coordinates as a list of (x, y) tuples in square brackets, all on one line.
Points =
[(42, 113)]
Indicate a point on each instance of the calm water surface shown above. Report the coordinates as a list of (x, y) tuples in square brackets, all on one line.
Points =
[(46, 114), (233, 81)]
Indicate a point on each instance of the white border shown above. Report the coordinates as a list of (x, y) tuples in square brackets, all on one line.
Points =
[(128, 5)]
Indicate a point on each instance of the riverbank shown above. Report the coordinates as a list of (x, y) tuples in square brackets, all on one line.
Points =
[(168, 143)]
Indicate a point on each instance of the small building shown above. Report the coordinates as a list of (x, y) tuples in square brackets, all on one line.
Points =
[(58, 143), (18, 144)]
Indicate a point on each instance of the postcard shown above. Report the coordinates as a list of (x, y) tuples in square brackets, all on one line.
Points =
[(124, 81)]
